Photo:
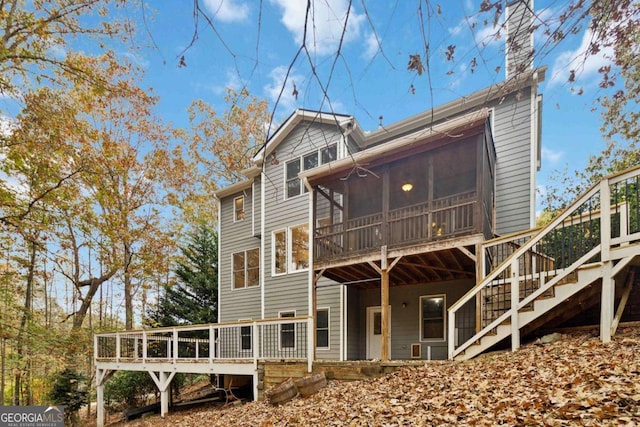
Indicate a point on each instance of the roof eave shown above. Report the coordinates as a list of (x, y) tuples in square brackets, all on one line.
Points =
[(233, 189), (422, 136), (452, 108), (291, 122)]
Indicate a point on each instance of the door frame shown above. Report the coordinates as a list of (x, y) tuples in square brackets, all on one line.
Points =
[(369, 329)]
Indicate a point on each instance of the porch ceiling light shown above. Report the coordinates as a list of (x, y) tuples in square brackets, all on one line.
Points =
[(407, 186)]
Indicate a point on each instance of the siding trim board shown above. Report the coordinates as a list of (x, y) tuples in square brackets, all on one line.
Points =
[(263, 252)]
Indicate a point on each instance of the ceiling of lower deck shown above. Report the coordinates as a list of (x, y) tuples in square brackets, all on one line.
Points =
[(435, 266)]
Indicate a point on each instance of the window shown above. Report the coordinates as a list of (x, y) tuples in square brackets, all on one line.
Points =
[(311, 160), (291, 249), (294, 185), (432, 315), (280, 252), (288, 331), (246, 268), (245, 338), (299, 247), (329, 154), (238, 208), (322, 328)]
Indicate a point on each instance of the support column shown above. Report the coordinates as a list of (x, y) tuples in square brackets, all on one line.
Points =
[(101, 376), (162, 382), (384, 302), (607, 302), (384, 270), (164, 395), (99, 399)]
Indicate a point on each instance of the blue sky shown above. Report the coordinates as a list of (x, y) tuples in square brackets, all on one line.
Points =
[(370, 78)]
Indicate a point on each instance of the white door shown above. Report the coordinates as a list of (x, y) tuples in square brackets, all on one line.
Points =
[(374, 332)]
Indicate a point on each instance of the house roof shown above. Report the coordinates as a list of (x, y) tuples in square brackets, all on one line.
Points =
[(474, 100), (294, 119), (402, 128), (250, 173), (454, 127)]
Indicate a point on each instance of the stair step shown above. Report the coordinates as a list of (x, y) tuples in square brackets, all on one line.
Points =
[(562, 291)]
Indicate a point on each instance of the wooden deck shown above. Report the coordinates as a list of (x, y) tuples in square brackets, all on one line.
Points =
[(221, 348)]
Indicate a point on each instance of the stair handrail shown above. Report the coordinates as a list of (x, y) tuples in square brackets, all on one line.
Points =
[(504, 265), (599, 186), (507, 314), (525, 247)]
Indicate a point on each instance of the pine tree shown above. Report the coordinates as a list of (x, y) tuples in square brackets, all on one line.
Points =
[(193, 299)]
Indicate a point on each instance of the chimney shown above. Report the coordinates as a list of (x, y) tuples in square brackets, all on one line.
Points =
[(519, 44)]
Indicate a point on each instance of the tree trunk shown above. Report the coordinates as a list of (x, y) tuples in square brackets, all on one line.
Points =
[(24, 321), (94, 283), (128, 288)]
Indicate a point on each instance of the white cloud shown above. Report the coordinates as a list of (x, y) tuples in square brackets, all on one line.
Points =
[(488, 34), (585, 66), (372, 47), (287, 101), (233, 81), (228, 10), (454, 31), (324, 26), (551, 156)]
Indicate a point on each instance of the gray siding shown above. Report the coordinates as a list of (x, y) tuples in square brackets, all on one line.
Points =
[(405, 321), (514, 167), (354, 332), (287, 292), (256, 205), (236, 304), (329, 297)]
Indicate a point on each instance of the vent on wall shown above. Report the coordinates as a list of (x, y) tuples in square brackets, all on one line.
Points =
[(416, 351)]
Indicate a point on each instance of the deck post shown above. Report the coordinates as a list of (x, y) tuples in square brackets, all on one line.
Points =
[(117, 346), (99, 397), (175, 344), (607, 302), (311, 347), (101, 376), (162, 381), (164, 395), (212, 344), (384, 302), (481, 272), (145, 345), (515, 301)]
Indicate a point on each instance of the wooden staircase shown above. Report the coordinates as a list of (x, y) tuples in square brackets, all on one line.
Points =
[(563, 292), (532, 274)]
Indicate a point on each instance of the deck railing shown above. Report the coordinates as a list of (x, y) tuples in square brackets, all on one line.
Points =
[(289, 339), (523, 267), (434, 220)]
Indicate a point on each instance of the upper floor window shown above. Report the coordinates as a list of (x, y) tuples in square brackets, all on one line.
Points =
[(246, 268), (291, 249), (432, 317), (238, 208), (311, 160)]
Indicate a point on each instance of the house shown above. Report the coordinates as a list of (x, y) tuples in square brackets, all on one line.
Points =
[(413, 241), (327, 207)]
